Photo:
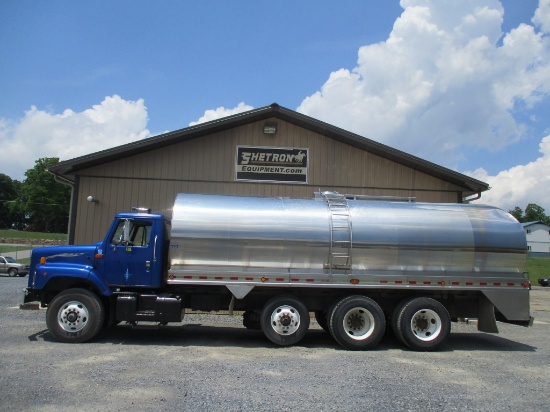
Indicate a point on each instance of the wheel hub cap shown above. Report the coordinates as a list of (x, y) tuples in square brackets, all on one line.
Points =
[(358, 323), (285, 320), (426, 325), (73, 316)]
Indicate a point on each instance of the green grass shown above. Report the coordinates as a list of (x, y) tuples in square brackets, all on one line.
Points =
[(20, 234), (7, 249), (537, 268)]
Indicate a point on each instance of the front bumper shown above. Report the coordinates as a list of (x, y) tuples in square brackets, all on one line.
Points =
[(30, 295), (29, 301)]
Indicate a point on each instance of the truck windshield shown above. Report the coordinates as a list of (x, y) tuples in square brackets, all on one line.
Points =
[(138, 233)]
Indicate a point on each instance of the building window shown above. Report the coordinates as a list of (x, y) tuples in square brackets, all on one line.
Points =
[(528, 231), (528, 247)]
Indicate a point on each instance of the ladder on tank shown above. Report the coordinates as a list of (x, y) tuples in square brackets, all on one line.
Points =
[(341, 238)]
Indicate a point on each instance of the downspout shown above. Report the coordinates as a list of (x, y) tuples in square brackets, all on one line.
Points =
[(72, 209), (470, 199)]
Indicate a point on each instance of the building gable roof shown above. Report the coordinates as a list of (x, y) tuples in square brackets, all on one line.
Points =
[(68, 168), (536, 222)]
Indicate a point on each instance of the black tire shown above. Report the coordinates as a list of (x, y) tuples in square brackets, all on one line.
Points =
[(423, 324), (322, 320), (284, 320), (357, 323), (75, 315), (12, 272), (395, 316)]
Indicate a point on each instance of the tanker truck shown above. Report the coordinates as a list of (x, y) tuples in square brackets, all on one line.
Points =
[(358, 265)]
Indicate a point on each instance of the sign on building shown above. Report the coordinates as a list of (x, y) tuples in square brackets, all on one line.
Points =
[(272, 164)]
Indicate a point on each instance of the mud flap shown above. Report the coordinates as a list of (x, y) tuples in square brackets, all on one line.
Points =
[(486, 316)]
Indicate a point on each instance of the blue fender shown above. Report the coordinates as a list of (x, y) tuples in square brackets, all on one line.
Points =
[(46, 274), (99, 283)]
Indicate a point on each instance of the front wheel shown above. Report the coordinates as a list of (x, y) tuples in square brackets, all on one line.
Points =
[(357, 323), (284, 320), (12, 272), (75, 315), (422, 324)]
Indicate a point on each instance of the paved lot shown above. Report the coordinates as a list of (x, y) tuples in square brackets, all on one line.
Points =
[(211, 363)]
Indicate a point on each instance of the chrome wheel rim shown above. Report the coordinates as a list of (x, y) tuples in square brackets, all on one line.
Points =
[(358, 323), (73, 316), (285, 320), (426, 325)]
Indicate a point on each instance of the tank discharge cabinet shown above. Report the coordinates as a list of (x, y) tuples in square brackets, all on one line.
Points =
[(361, 265)]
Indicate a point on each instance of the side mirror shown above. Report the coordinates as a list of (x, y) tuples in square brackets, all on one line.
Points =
[(126, 231)]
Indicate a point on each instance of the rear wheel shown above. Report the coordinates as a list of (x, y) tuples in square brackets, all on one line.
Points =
[(75, 315), (394, 325), (284, 320), (422, 324), (357, 323)]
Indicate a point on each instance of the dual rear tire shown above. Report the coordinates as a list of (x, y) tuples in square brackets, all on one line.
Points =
[(284, 320), (355, 322), (422, 324), (358, 323)]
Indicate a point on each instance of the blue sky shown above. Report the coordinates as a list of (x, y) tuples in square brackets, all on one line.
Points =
[(462, 83)]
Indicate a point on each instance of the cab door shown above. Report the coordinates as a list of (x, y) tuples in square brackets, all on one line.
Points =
[(130, 256)]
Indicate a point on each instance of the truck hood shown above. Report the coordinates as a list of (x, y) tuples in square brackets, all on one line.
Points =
[(59, 263), (60, 257), (58, 254)]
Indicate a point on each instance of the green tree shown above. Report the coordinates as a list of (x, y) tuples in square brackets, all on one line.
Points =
[(517, 212), (44, 201), (9, 216), (533, 213)]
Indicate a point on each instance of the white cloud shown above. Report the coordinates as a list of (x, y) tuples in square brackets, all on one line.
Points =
[(442, 82), (521, 184), (542, 16), (111, 123), (220, 112)]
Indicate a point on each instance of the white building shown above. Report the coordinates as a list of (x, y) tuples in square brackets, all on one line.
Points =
[(538, 238)]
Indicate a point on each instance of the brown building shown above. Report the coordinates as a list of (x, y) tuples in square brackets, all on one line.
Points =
[(270, 151)]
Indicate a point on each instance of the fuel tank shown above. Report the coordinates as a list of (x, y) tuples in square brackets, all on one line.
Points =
[(332, 233)]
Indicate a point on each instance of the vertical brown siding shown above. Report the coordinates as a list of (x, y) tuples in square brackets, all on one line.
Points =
[(207, 165)]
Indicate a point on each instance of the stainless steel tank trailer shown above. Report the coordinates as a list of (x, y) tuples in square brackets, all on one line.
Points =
[(361, 265)]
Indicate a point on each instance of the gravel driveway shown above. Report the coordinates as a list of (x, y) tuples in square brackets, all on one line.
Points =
[(211, 363)]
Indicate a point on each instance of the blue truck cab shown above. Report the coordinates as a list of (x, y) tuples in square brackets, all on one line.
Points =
[(85, 287)]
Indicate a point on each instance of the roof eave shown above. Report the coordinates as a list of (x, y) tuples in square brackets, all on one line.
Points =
[(69, 167)]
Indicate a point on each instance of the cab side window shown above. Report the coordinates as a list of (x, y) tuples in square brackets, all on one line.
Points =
[(118, 235), (139, 233)]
